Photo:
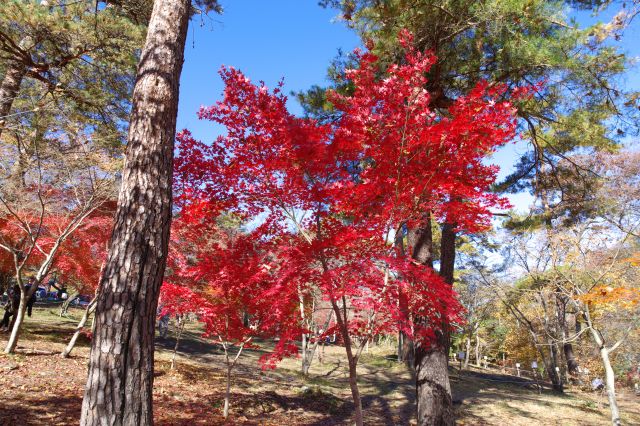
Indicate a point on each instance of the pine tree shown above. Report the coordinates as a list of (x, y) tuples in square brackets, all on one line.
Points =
[(120, 379), (517, 43), (64, 98), (70, 56)]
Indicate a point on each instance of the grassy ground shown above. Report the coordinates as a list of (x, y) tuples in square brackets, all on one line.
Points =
[(38, 387)]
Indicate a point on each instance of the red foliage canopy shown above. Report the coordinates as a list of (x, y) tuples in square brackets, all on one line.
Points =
[(327, 199), (81, 257)]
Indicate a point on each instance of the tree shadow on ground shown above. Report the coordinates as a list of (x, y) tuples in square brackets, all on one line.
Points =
[(393, 396), (477, 388), (201, 349), (314, 408), (41, 410)]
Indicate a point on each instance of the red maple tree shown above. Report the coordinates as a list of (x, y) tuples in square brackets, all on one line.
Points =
[(82, 255), (224, 277), (330, 199)]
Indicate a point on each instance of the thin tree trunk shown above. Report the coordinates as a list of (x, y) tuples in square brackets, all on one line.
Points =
[(477, 350), (179, 331), (230, 364), (227, 393), (304, 342), (64, 308), (120, 378), (572, 363), (609, 376), (611, 387), (352, 360), (405, 345), (16, 326), (522, 319), (342, 319), (551, 332), (419, 244), (18, 316), (467, 352), (311, 352), (85, 317), (83, 321), (407, 350), (554, 375), (405, 342), (400, 350)]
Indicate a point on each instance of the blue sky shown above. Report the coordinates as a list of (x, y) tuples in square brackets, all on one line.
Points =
[(295, 40), (267, 40)]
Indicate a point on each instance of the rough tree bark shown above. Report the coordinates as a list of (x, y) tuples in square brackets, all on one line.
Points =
[(433, 390), (9, 89), (120, 377)]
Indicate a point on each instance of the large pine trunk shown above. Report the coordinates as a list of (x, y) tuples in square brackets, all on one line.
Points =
[(420, 246), (433, 390), (120, 378), (9, 89), (435, 405)]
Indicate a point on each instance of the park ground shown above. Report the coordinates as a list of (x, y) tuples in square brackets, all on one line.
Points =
[(37, 387)]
